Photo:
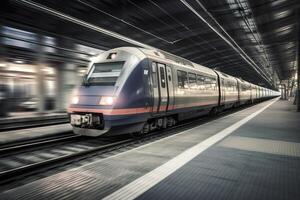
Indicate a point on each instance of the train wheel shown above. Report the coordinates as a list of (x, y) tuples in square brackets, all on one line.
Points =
[(213, 111), (170, 121), (165, 123), (146, 128)]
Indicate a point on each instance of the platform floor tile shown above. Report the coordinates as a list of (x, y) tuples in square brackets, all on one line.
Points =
[(225, 173)]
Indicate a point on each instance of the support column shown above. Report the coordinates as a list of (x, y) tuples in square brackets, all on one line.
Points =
[(283, 88), (298, 78), (288, 87), (66, 77), (59, 88), (283, 92), (66, 80), (298, 64), (40, 81), (292, 88), (40, 76)]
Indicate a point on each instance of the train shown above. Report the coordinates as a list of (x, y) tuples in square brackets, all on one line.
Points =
[(136, 90)]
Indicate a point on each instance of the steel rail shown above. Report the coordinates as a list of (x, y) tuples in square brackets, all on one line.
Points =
[(29, 144), (8, 175)]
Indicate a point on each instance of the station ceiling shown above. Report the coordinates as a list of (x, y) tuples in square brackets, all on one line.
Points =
[(252, 39)]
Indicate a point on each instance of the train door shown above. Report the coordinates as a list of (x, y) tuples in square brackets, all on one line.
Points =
[(223, 89), (170, 89), (155, 88), (163, 88)]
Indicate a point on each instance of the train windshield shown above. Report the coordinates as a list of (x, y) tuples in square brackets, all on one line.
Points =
[(105, 73)]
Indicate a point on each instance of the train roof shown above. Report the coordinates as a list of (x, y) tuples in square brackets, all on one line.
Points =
[(157, 54), (162, 55)]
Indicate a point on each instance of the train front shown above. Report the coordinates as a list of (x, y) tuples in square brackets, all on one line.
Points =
[(112, 89)]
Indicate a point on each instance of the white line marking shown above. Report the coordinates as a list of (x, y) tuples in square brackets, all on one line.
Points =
[(144, 183)]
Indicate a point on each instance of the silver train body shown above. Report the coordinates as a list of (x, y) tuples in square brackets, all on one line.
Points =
[(135, 90)]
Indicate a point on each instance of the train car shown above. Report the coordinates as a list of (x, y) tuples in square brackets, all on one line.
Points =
[(263, 93), (130, 89), (244, 91), (228, 91), (196, 90), (254, 93), (135, 90), (260, 93)]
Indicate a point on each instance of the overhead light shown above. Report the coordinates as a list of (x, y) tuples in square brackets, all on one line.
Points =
[(92, 53), (284, 30), (282, 14), (19, 61), (278, 2)]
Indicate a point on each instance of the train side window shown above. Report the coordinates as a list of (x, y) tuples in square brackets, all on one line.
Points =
[(154, 75), (192, 80), (162, 77), (182, 79), (207, 82), (213, 83), (216, 84), (226, 85), (200, 82), (244, 88), (231, 86)]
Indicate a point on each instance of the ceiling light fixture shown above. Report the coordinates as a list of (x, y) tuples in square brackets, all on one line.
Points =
[(19, 61)]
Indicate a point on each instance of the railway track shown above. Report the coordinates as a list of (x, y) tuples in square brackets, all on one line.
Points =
[(33, 158), (26, 159), (33, 144), (50, 157)]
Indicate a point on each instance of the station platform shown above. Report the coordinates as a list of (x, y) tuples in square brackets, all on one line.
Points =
[(31, 119), (21, 135), (15, 116), (251, 154)]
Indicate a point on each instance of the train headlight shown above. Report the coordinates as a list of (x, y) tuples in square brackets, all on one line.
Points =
[(75, 100), (107, 101)]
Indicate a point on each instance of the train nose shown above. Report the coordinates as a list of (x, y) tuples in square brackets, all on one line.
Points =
[(85, 100), (95, 96), (94, 100)]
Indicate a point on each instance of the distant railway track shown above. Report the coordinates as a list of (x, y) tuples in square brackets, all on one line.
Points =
[(28, 159), (15, 124)]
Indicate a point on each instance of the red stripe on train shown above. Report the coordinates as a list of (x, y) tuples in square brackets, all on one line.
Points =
[(130, 111)]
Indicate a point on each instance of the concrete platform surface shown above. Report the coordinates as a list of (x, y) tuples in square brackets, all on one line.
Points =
[(27, 116), (251, 154), (260, 160)]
